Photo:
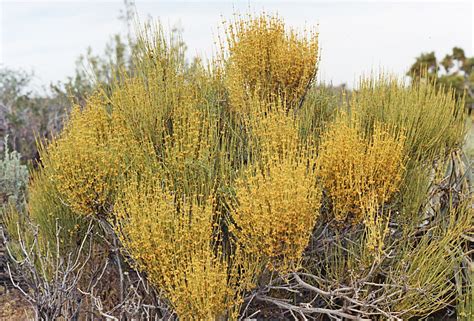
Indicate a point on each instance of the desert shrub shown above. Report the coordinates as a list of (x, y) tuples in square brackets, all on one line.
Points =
[(160, 123), (83, 164), (47, 210), (268, 71), (175, 241), (432, 120), (276, 196), (241, 182), (409, 246), (356, 171), (267, 59), (277, 209), (13, 179)]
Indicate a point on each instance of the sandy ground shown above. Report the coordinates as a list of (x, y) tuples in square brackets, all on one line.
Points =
[(13, 307)]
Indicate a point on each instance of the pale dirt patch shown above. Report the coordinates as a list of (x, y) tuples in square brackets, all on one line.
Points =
[(14, 307)]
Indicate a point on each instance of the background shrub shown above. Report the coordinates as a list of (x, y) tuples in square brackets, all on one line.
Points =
[(13, 179)]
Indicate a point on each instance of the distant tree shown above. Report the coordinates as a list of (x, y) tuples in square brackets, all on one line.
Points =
[(455, 71), (15, 106), (25, 115)]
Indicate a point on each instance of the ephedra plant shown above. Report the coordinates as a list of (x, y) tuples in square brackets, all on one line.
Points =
[(242, 188)]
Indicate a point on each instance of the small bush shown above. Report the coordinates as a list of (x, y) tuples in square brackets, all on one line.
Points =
[(269, 60), (13, 179), (174, 240), (358, 172)]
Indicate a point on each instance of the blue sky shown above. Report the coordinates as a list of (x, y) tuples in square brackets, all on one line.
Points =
[(356, 37)]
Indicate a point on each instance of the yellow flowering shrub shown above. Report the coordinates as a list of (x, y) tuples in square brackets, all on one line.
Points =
[(276, 135), (212, 176), (268, 60), (432, 121), (174, 241), (356, 170), (277, 199), (268, 71), (83, 163), (277, 208)]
